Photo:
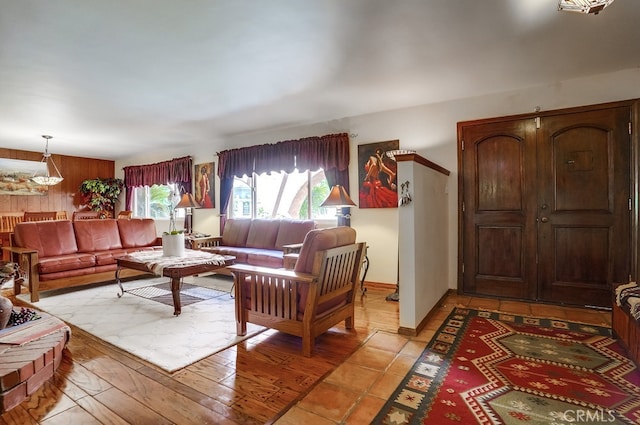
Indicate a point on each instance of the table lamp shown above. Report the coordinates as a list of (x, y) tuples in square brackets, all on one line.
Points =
[(188, 202), (339, 198)]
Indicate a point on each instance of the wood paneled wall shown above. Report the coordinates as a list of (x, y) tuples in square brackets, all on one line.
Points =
[(64, 196)]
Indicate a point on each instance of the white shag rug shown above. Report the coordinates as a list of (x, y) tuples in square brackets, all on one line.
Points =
[(147, 328)]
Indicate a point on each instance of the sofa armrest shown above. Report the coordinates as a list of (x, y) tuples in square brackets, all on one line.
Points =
[(292, 248), (289, 261), (27, 259), (198, 243)]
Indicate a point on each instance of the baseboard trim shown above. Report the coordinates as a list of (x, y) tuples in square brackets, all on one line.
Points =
[(429, 316)]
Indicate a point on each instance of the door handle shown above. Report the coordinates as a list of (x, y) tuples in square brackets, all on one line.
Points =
[(544, 219)]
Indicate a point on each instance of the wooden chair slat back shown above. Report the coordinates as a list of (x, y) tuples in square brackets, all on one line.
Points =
[(8, 222), (40, 215), (85, 215), (340, 269)]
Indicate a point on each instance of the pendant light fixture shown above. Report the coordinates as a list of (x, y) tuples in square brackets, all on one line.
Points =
[(49, 179), (583, 6)]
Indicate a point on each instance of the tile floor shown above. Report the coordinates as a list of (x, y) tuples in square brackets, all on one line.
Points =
[(357, 389)]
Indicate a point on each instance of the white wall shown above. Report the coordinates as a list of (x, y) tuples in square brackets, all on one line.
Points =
[(431, 131), (423, 239)]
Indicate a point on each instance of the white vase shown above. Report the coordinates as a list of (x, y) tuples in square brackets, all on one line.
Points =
[(173, 245)]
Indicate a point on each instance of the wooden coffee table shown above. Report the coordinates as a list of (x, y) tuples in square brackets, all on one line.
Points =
[(175, 268)]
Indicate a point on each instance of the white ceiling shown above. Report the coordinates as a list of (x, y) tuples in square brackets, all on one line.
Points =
[(112, 78)]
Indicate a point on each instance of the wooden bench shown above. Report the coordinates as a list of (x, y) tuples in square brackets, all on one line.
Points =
[(626, 328), (29, 355)]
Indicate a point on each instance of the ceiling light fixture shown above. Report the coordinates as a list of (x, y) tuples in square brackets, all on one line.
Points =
[(48, 179), (583, 6)]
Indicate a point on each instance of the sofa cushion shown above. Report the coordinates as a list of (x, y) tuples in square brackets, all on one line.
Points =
[(137, 232), (265, 258), (241, 254), (97, 235), (236, 231), (263, 234), (64, 263), (108, 257), (293, 231), (49, 238)]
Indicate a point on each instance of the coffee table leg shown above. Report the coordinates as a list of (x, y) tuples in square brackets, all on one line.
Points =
[(175, 291), (121, 293)]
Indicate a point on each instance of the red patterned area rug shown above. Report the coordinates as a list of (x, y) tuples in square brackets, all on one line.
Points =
[(492, 368)]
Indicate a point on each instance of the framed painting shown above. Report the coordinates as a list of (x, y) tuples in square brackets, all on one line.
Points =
[(204, 184), (377, 175), (15, 177)]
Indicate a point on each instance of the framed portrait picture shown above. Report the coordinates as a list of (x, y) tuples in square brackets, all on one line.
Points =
[(377, 175), (204, 184)]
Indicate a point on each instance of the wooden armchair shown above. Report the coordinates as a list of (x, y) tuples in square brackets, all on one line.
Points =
[(9, 221), (308, 300), (40, 215), (85, 215)]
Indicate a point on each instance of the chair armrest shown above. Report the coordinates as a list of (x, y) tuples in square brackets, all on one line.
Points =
[(291, 248), (18, 250), (197, 243), (27, 258), (271, 272)]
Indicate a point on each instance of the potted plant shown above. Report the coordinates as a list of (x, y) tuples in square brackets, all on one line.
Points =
[(101, 194), (173, 240)]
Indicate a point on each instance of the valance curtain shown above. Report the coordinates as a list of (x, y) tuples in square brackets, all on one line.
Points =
[(177, 170), (329, 152)]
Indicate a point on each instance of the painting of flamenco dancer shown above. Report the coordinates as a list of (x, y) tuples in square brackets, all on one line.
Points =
[(377, 175), (204, 184)]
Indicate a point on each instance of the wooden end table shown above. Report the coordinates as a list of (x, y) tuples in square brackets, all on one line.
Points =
[(175, 268)]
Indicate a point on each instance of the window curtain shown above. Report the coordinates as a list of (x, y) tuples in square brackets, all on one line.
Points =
[(329, 152), (177, 170)]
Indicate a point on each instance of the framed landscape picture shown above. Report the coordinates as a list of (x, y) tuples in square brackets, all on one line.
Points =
[(377, 175), (15, 177), (204, 192)]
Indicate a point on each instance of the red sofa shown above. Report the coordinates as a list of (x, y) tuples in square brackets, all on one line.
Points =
[(257, 242), (62, 253)]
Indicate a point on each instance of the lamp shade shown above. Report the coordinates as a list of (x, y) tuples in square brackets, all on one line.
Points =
[(187, 201), (338, 197)]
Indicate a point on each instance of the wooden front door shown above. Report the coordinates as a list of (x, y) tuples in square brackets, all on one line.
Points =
[(545, 206)]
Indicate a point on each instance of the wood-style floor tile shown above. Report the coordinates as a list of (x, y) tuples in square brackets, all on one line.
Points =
[(74, 415), (366, 409), (298, 416), (262, 380), (385, 386), (484, 303), (354, 377), (330, 401)]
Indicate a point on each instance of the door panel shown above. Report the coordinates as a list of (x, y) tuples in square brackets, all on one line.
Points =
[(545, 212), (499, 225), (583, 232)]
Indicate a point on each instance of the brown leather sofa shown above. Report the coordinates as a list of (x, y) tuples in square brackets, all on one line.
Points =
[(61, 253), (257, 242)]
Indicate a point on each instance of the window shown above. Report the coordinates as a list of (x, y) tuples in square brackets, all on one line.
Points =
[(153, 202), (281, 195)]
